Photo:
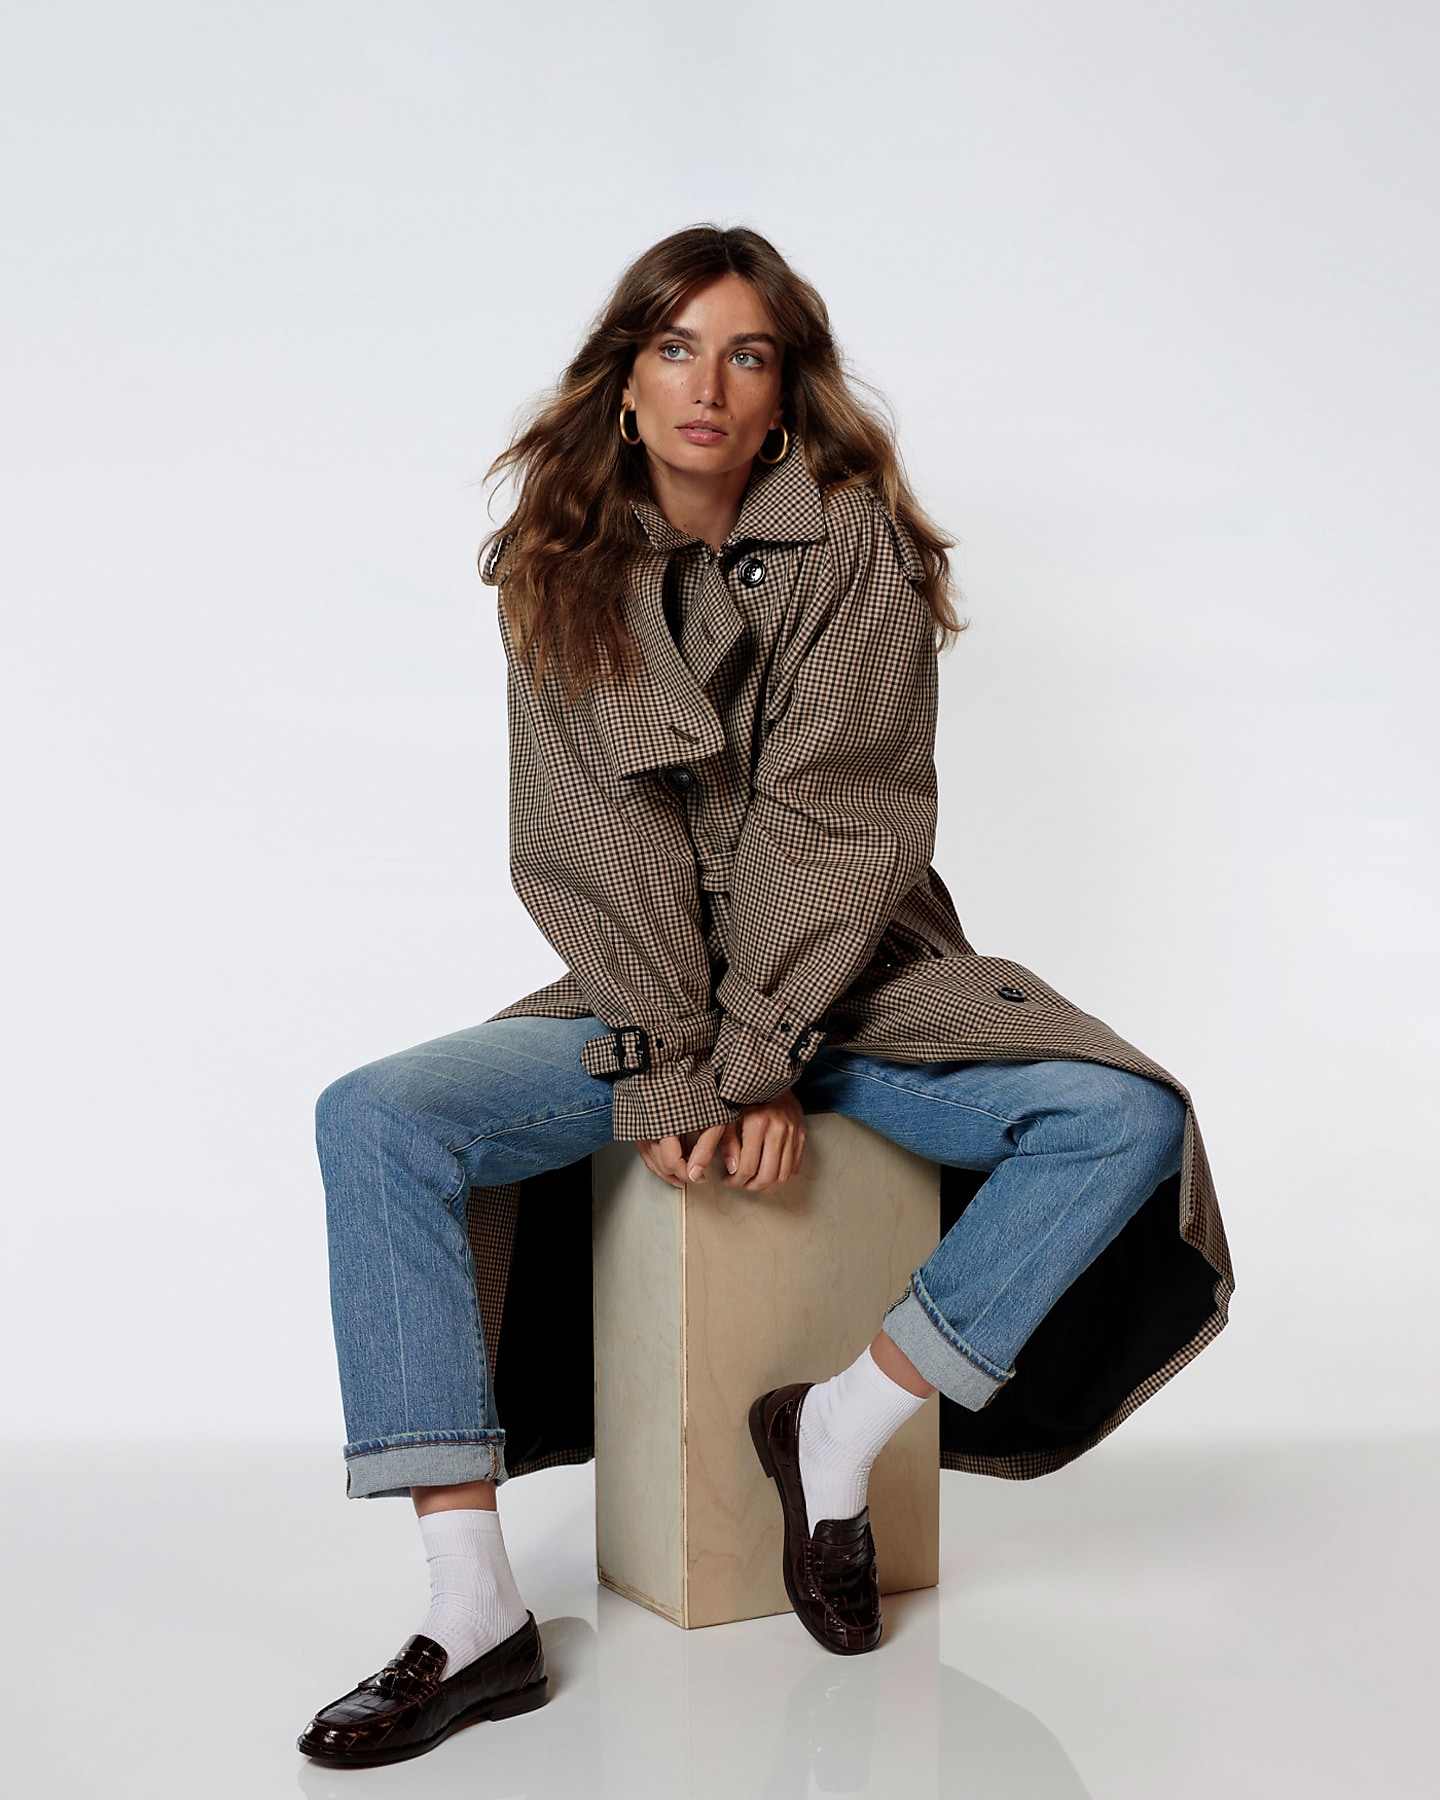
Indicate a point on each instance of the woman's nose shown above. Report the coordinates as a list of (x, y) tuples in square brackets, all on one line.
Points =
[(710, 382)]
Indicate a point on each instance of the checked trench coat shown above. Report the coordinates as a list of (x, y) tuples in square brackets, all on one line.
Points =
[(729, 847)]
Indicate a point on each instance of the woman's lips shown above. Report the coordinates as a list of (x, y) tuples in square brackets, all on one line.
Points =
[(697, 433)]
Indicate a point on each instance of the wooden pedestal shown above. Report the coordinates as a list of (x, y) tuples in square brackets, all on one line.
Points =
[(706, 1299)]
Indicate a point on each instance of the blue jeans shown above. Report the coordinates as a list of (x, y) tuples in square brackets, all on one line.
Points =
[(1072, 1151)]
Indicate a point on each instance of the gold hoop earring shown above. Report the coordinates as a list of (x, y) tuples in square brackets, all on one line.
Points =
[(784, 448), (629, 412)]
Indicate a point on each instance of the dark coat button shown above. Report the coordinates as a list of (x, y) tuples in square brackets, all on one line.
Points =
[(679, 780), (1012, 993), (752, 571)]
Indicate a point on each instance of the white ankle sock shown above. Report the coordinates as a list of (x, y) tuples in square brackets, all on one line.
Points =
[(844, 1425), (474, 1603)]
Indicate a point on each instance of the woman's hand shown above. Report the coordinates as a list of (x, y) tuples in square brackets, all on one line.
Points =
[(762, 1149), (759, 1151), (681, 1159)]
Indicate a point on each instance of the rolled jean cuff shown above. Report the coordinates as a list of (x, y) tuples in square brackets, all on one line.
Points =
[(390, 1467), (939, 1353)]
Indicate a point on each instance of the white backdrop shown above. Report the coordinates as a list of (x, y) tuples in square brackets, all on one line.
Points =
[(1153, 290)]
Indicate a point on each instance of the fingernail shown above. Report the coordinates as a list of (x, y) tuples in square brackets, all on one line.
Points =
[(731, 1164), (697, 1173)]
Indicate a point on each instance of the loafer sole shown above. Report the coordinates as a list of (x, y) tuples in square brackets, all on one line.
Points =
[(767, 1462), (504, 1706)]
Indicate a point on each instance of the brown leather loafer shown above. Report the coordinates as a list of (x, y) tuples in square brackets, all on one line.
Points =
[(829, 1577), (409, 1707)]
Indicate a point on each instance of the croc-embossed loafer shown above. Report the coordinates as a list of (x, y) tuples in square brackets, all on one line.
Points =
[(830, 1576), (409, 1707)]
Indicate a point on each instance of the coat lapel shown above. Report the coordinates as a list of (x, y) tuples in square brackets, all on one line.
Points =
[(713, 626), (656, 715), (659, 715)]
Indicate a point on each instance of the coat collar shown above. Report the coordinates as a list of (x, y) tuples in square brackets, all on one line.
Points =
[(659, 715), (781, 506)]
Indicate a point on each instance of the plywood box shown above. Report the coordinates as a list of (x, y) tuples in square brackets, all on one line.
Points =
[(706, 1299)]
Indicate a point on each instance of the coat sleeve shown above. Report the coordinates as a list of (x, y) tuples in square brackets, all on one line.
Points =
[(605, 869), (841, 824)]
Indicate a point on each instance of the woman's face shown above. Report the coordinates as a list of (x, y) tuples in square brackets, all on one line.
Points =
[(706, 388)]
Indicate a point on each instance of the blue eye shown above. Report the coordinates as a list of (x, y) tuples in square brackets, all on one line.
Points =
[(750, 359), (665, 350)]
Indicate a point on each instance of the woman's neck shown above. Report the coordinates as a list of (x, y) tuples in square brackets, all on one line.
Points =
[(702, 506)]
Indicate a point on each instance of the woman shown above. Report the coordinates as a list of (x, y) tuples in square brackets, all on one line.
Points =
[(721, 605)]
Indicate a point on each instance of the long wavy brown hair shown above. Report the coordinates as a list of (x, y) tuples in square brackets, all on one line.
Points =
[(562, 556)]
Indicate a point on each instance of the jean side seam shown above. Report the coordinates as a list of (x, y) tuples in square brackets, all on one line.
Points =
[(900, 1087), (394, 1289), (481, 1137), (949, 1334), (1035, 1250)]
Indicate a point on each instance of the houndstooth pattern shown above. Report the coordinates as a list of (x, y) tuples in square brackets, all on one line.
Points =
[(730, 847), (717, 844)]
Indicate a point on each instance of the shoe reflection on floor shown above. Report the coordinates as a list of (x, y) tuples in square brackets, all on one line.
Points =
[(640, 1708)]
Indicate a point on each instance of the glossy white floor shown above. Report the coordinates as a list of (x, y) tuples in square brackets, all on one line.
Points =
[(1147, 1624)]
